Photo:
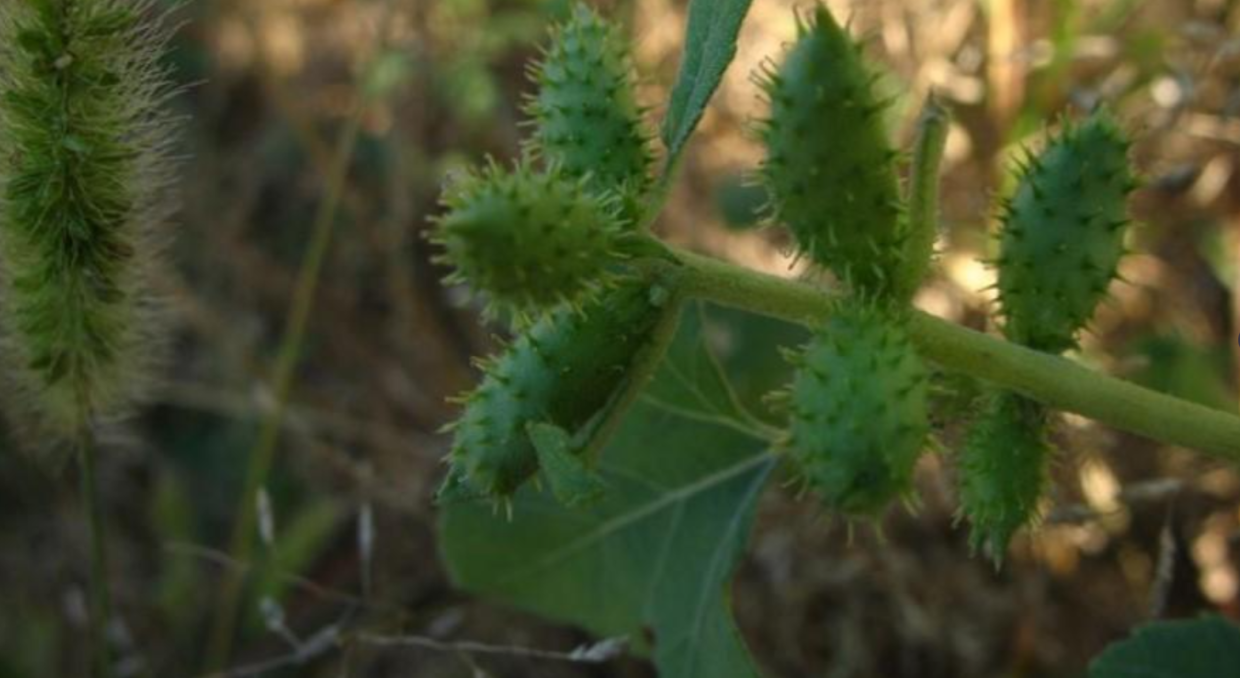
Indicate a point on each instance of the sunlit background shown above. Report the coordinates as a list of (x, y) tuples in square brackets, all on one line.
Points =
[(1134, 530)]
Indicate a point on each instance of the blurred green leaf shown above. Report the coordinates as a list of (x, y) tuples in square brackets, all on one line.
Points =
[(657, 552), (180, 584), (297, 544), (1198, 648), (389, 71), (470, 89), (31, 639), (691, 382), (571, 482), (1178, 367), (748, 348), (1218, 246), (710, 45), (740, 202)]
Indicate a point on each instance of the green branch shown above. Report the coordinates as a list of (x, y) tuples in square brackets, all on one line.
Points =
[(923, 195), (1057, 382)]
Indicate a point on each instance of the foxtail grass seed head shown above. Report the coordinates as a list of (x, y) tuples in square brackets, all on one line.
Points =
[(84, 172), (585, 114), (829, 168), (528, 239)]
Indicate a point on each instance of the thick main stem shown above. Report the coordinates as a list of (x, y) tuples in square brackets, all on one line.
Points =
[(1055, 381)]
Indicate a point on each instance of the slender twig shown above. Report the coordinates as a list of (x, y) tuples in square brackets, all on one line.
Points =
[(263, 453), (1057, 382), (100, 596), (1148, 491), (225, 561), (333, 637), (598, 653)]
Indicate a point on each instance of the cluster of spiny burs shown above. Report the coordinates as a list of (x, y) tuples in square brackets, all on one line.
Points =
[(1060, 244), (83, 188), (553, 243), (547, 242), (858, 403)]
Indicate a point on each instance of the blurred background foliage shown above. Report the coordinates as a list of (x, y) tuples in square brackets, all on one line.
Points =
[(1134, 530)]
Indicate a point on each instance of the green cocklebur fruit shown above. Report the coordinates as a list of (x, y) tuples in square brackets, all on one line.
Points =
[(1003, 470), (585, 116), (83, 175), (528, 239), (1063, 234), (562, 372), (830, 170), (858, 414), (1060, 245)]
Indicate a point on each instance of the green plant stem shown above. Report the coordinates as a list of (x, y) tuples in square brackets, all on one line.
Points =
[(643, 370), (661, 192), (1052, 380), (100, 598), (263, 453), (923, 195)]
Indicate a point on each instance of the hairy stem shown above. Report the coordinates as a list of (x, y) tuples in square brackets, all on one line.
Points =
[(1055, 381), (100, 598), (643, 369), (923, 195)]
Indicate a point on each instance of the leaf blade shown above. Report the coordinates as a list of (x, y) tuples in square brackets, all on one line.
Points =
[(710, 46), (658, 550), (1187, 648)]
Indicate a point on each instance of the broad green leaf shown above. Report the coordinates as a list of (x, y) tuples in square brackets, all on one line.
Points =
[(297, 544), (692, 383), (657, 552), (710, 45), (571, 482), (1198, 648)]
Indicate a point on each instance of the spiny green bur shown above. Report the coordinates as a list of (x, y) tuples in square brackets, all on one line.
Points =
[(585, 114), (1003, 471), (1060, 246), (83, 171), (563, 371), (830, 170), (1063, 234), (527, 239), (858, 409)]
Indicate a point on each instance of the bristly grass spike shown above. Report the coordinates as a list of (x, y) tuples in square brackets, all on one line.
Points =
[(84, 178)]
